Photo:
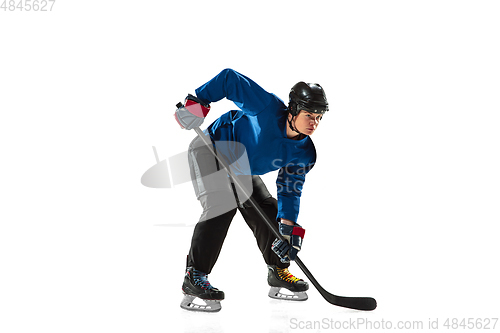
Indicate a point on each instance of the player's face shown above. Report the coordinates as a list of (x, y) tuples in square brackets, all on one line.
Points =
[(307, 122)]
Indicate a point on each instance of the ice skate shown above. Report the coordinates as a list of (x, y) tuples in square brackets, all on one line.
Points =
[(196, 287), (279, 278)]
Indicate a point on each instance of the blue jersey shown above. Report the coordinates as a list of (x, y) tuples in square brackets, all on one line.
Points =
[(260, 126)]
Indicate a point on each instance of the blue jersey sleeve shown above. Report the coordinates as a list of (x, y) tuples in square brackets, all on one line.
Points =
[(290, 182), (245, 93)]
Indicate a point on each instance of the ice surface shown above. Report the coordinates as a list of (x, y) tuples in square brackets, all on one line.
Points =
[(402, 204)]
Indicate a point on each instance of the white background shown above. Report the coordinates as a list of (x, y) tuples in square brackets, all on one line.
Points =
[(403, 204)]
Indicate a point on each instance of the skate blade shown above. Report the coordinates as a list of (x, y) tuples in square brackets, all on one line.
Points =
[(209, 306), (275, 293)]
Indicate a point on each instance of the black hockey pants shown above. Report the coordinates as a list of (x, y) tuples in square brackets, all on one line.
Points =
[(219, 201)]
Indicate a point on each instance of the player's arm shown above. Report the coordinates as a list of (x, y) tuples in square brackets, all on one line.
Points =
[(243, 91), (236, 87)]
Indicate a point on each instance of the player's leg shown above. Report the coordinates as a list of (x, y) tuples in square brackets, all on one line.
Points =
[(278, 274), (215, 194), (260, 229)]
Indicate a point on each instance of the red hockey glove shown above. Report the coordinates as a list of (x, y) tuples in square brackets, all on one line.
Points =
[(192, 113)]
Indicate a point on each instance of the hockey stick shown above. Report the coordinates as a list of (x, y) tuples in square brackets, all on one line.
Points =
[(357, 303)]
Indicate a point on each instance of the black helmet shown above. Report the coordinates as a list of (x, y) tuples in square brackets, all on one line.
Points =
[(309, 97)]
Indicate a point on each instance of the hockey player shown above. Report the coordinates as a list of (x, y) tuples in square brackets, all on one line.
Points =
[(274, 137)]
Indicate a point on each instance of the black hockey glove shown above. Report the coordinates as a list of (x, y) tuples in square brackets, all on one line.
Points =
[(192, 113), (287, 250)]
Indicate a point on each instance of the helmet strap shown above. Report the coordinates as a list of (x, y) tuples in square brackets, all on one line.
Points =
[(293, 128)]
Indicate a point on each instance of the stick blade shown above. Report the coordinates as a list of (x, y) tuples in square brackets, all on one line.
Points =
[(356, 303)]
